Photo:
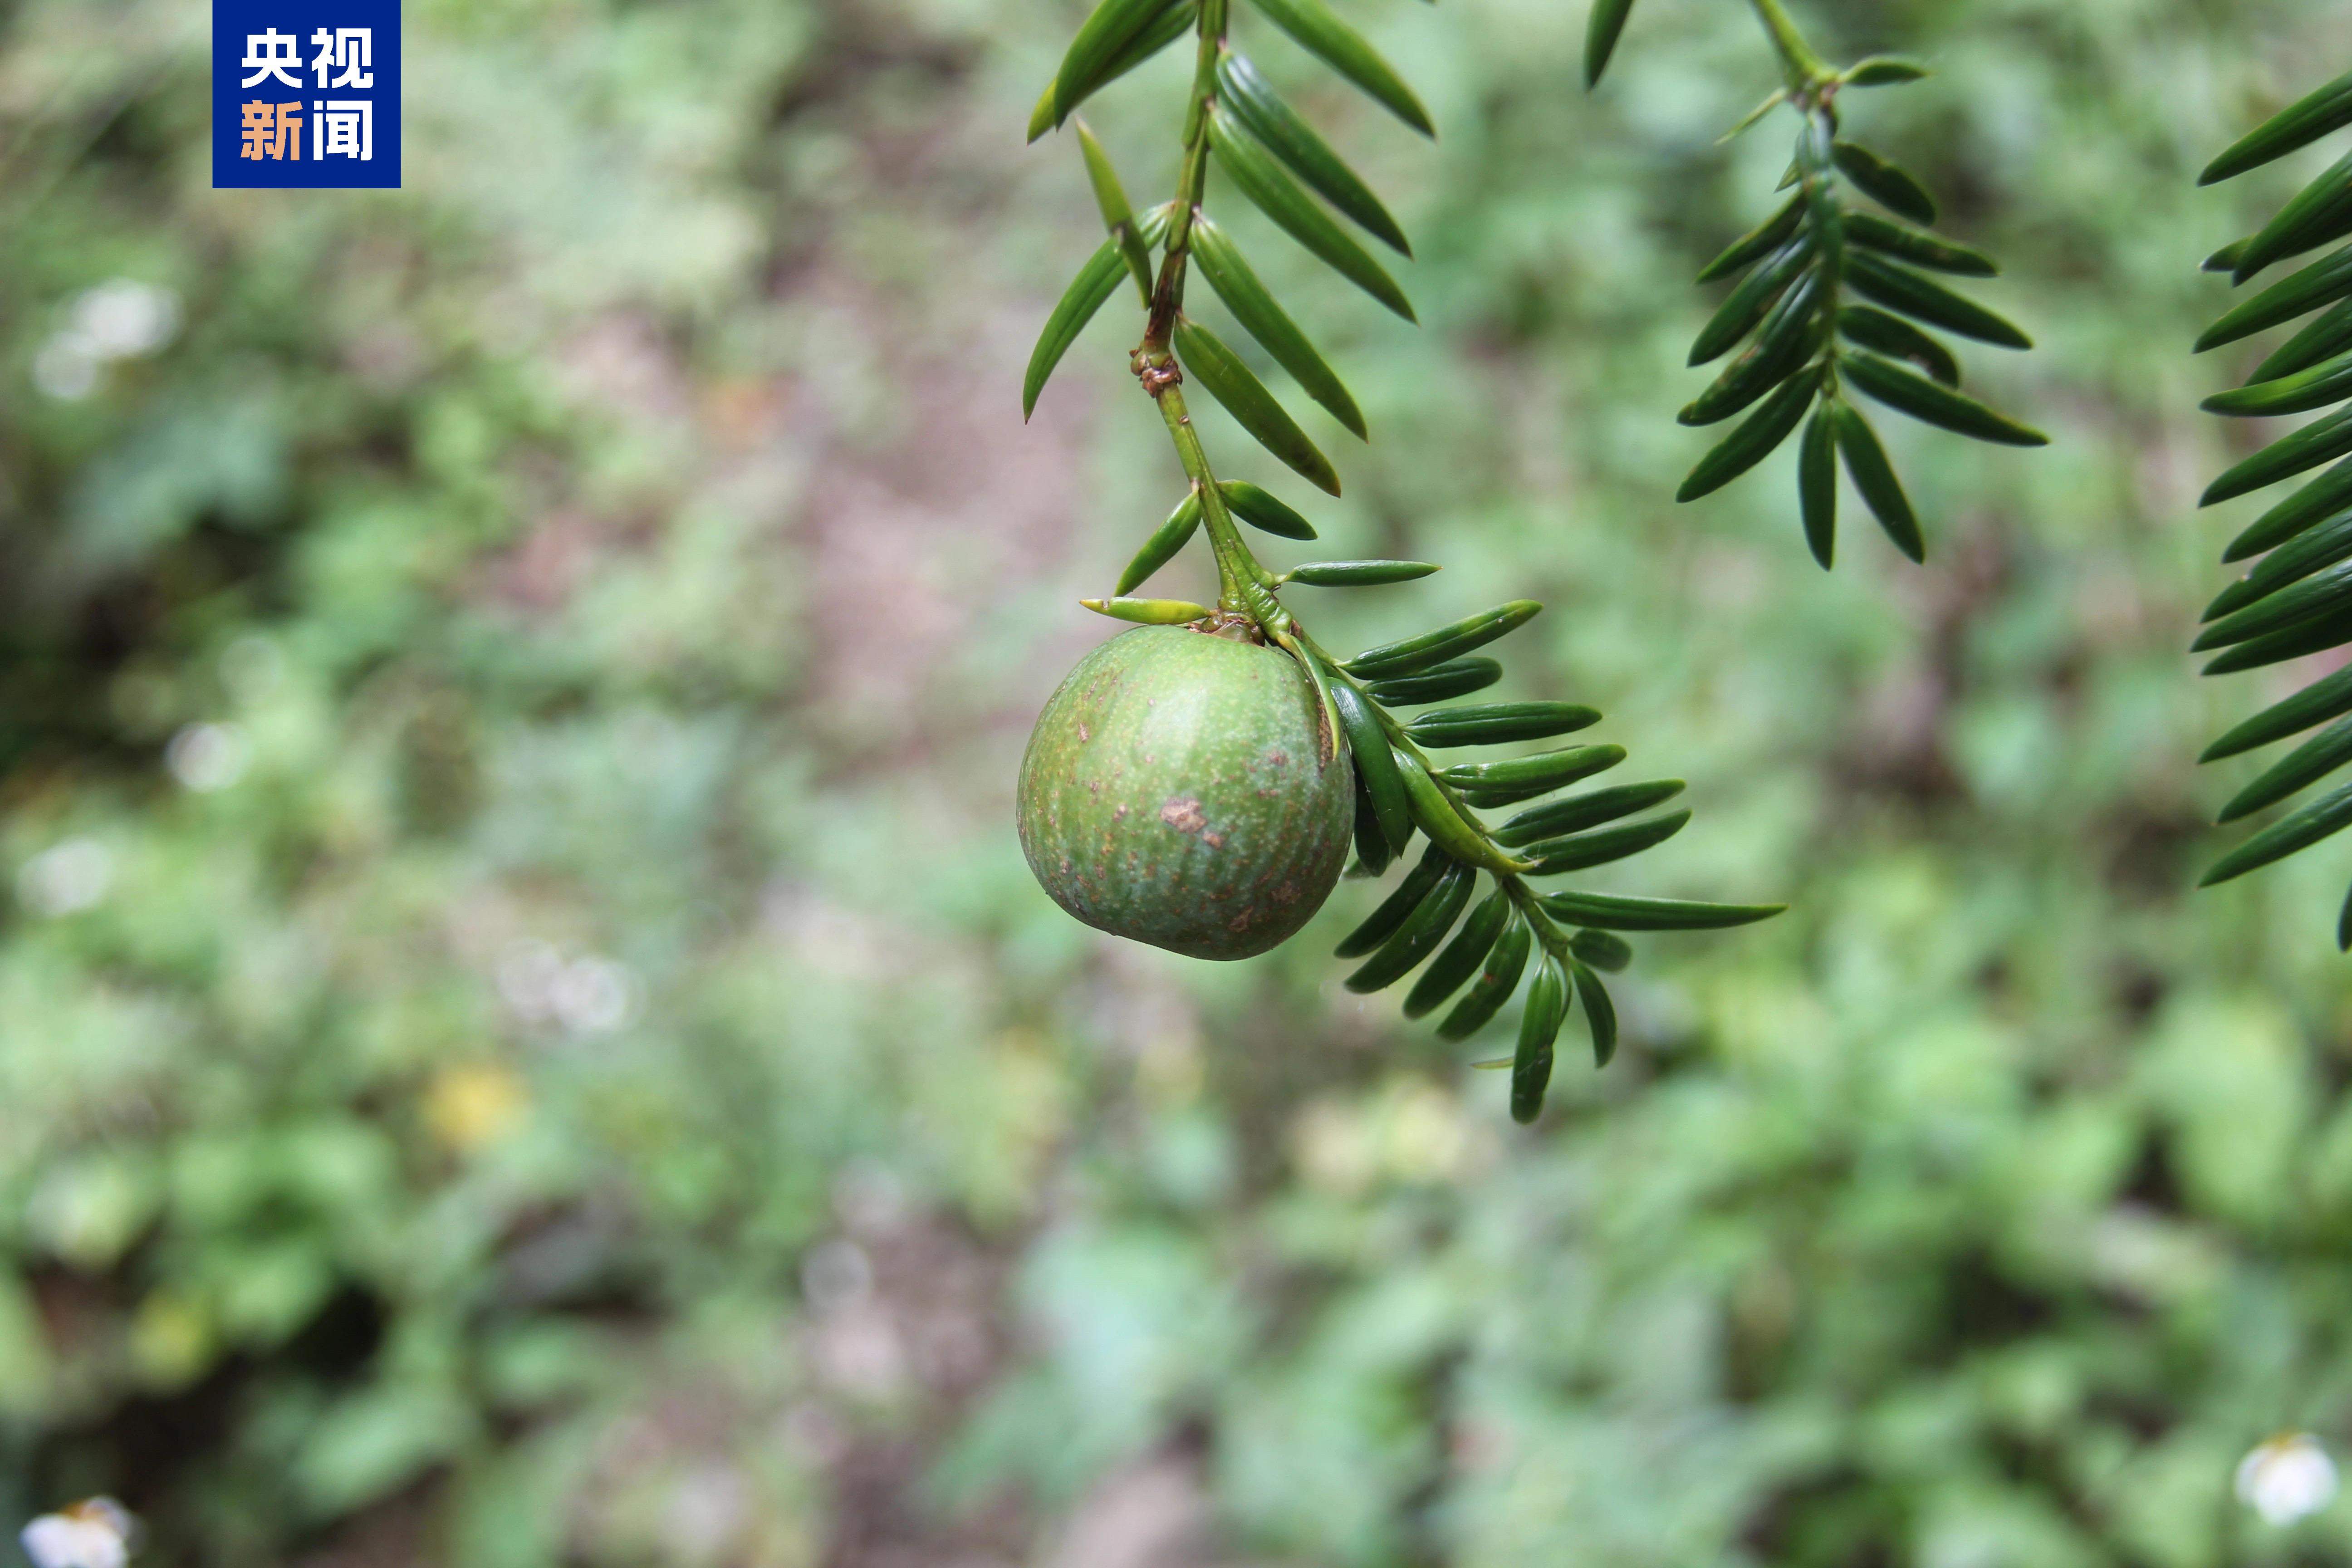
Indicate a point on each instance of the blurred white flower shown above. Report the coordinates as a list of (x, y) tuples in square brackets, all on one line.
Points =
[(584, 995), (591, 995), (119, 319), (125, 319), (98, 1533), (2287, 1478), (207, 757), (705, 1514), (65, 879)]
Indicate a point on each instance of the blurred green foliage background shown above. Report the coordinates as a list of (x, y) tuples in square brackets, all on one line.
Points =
[(525, 1035)]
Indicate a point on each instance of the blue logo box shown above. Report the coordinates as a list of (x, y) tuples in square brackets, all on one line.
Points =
[(306, 94)]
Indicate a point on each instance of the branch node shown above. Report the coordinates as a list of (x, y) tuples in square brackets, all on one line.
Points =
[(1156, 378)]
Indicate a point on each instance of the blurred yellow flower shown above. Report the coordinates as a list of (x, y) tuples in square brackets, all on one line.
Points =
[(172, 1339), (472, 1105)]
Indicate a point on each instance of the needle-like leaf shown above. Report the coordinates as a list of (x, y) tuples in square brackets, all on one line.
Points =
[(1097, 281), (1500, 724), (1225, 378), (1506, 961), (1230, 274), (1165, 541), (1420, 934), (1817, 487), (1438, 683), (1898, 338), (1318, 30), (1462, 956), (2298, 125), (2329, 382), (1604, 911), (1746, 305), (1920, 249), (1874, 476), (2324, 817), (1915, 394), (2305, 765), (2322, 283), (1546, 1006), (1899, 289), (1577, 812), (1412, 655), (1265, 510), (1883, 183), (1289, 138), (1599, 1014), (1103, 42), (1376, 763), (1758, 436), (1602, 27), (1258, 177)]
